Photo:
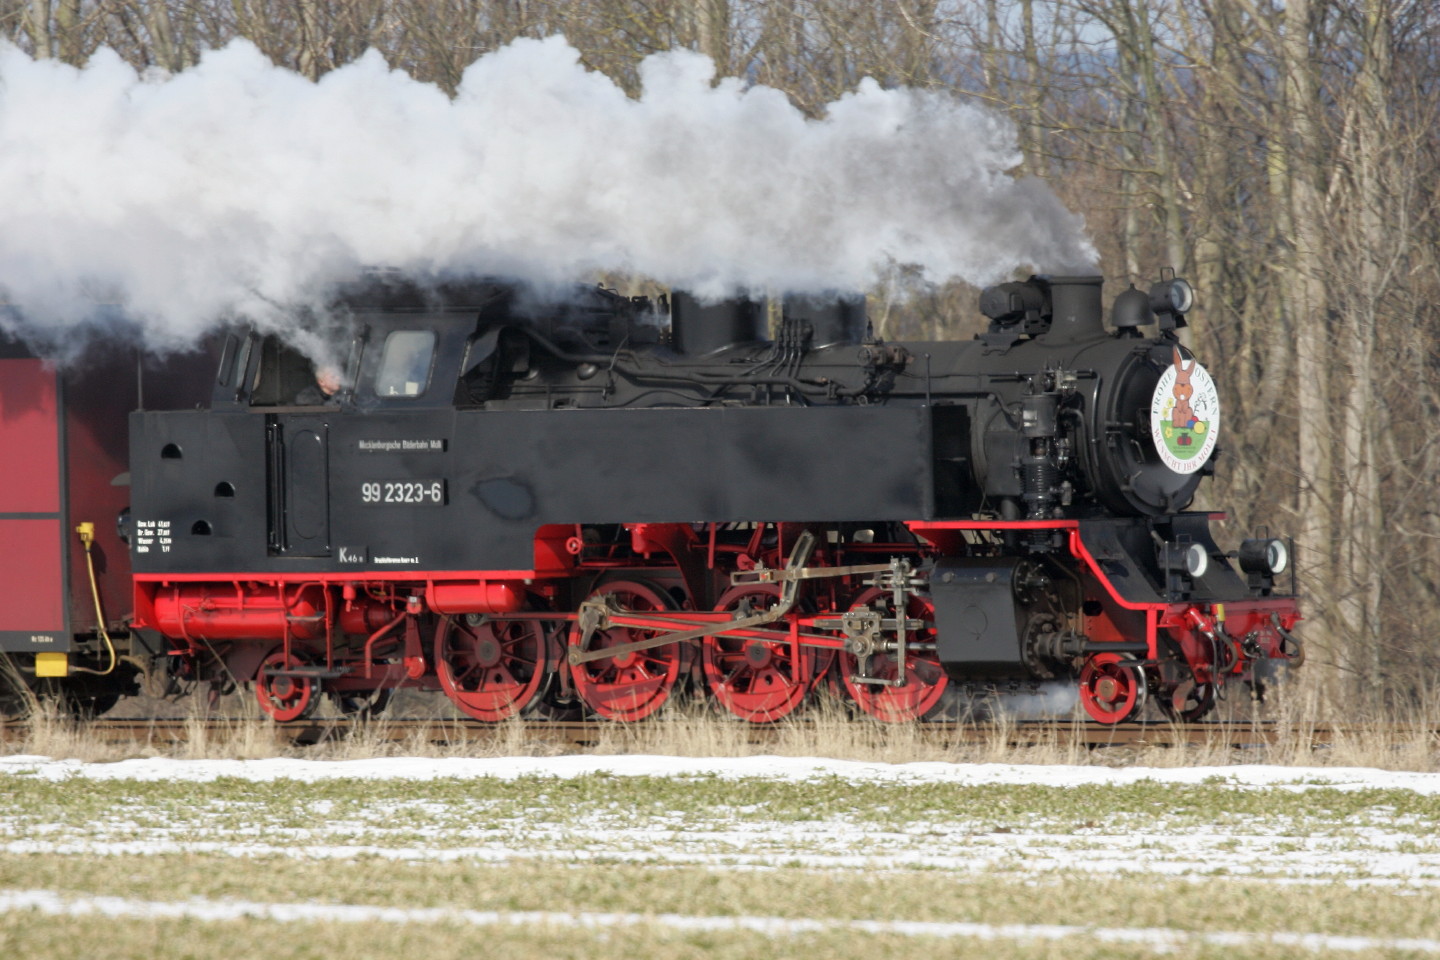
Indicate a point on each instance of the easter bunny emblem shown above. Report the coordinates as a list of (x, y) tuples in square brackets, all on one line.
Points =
[(1184, 413), (1182, 416)]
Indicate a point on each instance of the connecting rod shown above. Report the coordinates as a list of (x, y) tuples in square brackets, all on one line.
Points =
[(600, 614)]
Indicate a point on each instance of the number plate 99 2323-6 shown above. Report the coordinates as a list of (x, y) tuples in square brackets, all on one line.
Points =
[(416, 493)]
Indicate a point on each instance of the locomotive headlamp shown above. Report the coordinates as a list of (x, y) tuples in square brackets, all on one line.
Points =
[(1191, 559), (1174, 296), (1197, 560), (1264, 556)]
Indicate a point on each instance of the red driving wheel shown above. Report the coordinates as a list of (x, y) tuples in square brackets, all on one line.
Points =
[(1112, 687), (757, 680), (285, 698), (491, 669), (633, 685), (925, 679)]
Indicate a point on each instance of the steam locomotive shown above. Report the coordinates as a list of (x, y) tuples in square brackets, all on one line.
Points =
[(588, 504)]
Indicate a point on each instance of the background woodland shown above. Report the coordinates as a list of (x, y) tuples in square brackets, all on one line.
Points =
[(1281, 154)]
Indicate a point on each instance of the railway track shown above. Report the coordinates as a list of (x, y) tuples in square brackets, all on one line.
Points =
[(161, 732)]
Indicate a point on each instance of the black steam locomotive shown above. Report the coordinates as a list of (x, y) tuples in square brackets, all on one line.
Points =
[(589, 505)]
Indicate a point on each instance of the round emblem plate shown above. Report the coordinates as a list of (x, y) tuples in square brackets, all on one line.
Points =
[(1185, 415)]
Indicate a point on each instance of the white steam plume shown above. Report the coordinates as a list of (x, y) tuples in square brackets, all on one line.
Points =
[(239, 188)]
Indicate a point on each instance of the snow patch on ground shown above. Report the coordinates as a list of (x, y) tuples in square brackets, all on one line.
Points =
[(1195, 857), (765, 767), (1376, 850)]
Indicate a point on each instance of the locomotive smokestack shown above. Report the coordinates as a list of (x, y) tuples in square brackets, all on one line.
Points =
[(698, 329), (1075, 309)]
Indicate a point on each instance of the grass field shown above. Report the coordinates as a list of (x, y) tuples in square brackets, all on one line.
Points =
[(641, 857)]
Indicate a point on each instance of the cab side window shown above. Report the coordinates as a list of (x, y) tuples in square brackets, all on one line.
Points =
[(281, 373), (405, 360)]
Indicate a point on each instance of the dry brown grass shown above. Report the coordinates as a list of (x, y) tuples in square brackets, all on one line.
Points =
[(52, 732), (1396, 738)]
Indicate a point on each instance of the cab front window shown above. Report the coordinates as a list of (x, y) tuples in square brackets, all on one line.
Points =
[(405, 361)]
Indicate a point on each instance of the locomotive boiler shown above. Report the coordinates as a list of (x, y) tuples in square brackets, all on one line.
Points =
[(596, 504)]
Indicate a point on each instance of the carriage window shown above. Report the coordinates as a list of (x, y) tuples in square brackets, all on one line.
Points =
[(405, 363)]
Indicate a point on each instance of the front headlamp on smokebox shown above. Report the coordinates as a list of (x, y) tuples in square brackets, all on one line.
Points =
[(1184, 563), (1264, 556), (1191, 559)]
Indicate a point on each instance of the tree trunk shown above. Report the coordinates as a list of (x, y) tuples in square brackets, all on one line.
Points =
[(990, 53), (1304, 283), (1030, 118), (37, 25), (1167, 173), (712, 32), (67, 29), (163, 50), (1360, 515), (311, 60)]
